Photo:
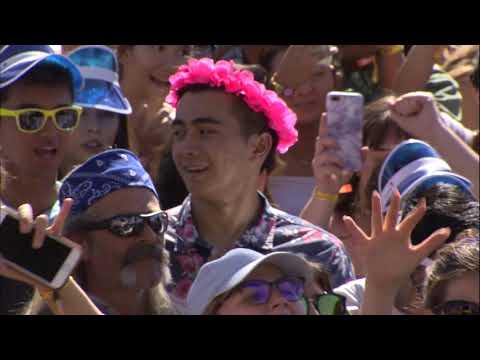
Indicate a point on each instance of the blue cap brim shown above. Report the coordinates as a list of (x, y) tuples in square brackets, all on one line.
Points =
[(101, 95), (19, 70), (406, 153), (434, 180)]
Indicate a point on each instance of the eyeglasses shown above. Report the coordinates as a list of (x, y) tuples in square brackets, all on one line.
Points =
[(328, 304), (457, 308), (132, 225), (259, 292), (33, 120)]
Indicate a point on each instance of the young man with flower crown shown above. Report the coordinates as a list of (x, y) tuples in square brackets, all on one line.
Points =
[(227, 130)]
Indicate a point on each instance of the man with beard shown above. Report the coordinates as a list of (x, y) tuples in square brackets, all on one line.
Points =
[(117, 219)]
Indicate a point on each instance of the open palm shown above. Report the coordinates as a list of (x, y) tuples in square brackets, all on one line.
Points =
[(390, 255)]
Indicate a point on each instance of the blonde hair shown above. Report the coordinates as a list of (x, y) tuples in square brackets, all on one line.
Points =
[(215, 304)]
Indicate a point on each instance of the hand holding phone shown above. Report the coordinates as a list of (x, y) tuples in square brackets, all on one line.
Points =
[(345, 123), (328, 167), (35, 257)]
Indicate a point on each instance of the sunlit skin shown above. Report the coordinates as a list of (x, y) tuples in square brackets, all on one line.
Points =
[(308, 102), (105, 253), (95, 134), (218, 164), (372, 160), (33, 160), (145, 71), (464, 287), (240, 303)]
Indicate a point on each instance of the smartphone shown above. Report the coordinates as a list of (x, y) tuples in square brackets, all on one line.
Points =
[(50, 265), (345, 123)]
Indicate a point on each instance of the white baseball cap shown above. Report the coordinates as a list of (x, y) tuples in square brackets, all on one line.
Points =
[(222, 275)]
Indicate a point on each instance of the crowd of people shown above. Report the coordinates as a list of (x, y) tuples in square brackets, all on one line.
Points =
[(204, 180)]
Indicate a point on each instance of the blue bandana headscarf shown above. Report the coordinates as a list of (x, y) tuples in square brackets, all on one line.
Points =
[(100, 176)]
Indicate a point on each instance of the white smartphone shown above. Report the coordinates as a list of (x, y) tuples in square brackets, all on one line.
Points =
[(50, 265), (345, 122)]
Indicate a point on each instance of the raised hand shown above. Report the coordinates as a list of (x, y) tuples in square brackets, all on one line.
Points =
[(390, 255), (328, 168), (417, 114), (27, 224)]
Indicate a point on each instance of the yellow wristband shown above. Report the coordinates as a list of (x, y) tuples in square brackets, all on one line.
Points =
[(392, 50), (324, 196), (51, 297)]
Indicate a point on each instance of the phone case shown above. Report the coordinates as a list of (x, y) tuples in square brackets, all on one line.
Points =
[(345, 122)]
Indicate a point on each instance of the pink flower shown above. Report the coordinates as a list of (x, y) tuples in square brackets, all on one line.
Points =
[(240, 83)]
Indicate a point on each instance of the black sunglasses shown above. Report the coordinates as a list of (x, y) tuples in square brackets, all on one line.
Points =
[(327, 304), (132, 225), (457, 308)]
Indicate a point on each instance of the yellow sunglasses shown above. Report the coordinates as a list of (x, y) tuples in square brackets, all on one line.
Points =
[(33, 120)]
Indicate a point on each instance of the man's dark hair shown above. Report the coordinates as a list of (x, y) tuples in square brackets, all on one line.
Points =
[(253, 123), (46, 75), (447, 206)]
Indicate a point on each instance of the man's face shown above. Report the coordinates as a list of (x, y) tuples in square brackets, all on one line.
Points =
[(41, 153), (107, 254), (210, 152)]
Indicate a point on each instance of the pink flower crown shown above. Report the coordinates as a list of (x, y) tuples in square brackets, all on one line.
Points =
[(223, 74)]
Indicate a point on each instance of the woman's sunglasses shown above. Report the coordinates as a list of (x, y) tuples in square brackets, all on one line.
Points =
[(33, 120), (259, 292), (457, 308), (132, 225), (328, 304)]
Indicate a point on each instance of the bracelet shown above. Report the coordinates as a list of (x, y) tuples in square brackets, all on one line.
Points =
[(280, 89), (52, 297), (324, 196), (392, 50)]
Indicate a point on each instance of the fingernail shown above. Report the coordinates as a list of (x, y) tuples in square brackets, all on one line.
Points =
[(446, 231)]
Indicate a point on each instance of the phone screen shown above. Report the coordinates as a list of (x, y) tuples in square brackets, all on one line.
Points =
[(17, 248)]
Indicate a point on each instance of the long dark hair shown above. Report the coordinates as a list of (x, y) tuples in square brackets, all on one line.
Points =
[(121, 139)]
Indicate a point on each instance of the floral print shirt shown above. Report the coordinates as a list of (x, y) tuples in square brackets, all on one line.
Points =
[(274, 231)]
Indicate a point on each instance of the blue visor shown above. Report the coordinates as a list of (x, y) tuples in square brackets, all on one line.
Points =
[(453, 179), (17, 61), (99, 66), (102, 95), (415, 166), (404, 154), (95, 56)]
